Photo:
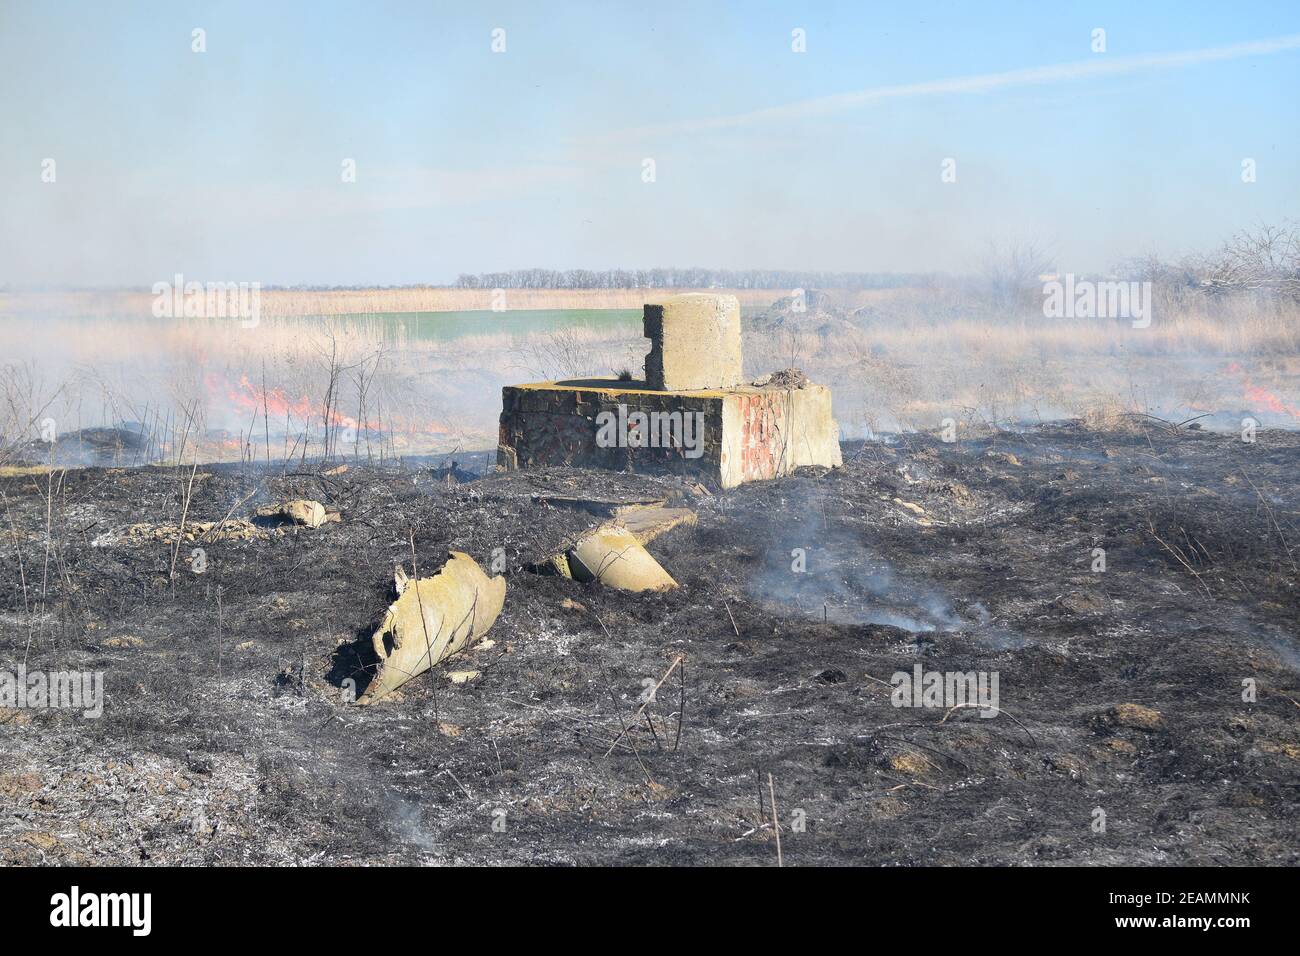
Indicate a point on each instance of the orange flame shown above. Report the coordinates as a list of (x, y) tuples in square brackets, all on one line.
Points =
[(1260, 395), (273, 401), (276, 403)]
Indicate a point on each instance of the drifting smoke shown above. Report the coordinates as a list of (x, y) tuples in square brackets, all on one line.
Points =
[(824, 571)]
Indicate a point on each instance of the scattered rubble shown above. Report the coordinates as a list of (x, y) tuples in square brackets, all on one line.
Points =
[(268, 522), (1134, 716), (232, 529), (785, 378)]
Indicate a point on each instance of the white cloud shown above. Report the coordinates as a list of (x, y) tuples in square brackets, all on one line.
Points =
[(1100, 66)]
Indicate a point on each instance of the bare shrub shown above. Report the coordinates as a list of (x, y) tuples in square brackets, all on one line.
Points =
[(1263, 259), (23, 402), (1012, 273)]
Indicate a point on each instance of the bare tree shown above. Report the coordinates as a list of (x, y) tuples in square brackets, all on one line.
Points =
[(1265, 258), (1012, 271)]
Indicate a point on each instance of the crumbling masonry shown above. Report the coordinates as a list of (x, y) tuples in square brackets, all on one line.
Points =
[(691, 414)]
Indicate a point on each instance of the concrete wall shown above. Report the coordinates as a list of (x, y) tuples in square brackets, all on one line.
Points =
[(694, 342), (551, 424), (770, 432), (747, 433)]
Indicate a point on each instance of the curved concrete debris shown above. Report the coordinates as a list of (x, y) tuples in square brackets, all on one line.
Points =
[(613, 556), (614, 553), (432, 619)]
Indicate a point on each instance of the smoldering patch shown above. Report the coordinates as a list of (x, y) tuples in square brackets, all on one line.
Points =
[(832, 575)]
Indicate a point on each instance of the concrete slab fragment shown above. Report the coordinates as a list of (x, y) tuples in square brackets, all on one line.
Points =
[(613, 556)]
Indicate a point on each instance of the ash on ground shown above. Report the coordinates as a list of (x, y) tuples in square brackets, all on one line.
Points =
[(1134, 590)]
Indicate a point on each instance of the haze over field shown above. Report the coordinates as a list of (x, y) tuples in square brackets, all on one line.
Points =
[(531, 177)]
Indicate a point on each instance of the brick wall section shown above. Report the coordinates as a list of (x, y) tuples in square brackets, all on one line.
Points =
[(769, 432)]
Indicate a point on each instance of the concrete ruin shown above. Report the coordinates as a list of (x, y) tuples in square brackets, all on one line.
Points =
[(691, 414)]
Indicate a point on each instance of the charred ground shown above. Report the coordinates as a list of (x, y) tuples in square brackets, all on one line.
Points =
[(228, 736)]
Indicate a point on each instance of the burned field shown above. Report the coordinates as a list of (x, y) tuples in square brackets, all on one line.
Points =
[(229, 732)]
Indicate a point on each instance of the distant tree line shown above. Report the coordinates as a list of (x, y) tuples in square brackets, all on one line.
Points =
[(695, 278), (1261, 261)]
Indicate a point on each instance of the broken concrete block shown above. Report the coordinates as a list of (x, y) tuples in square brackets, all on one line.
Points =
[(434, 618), (613, 556), (301, 511), (647, 522), (694, 342), (559, 563)]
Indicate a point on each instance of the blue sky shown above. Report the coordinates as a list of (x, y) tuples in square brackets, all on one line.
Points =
[(225, 165)]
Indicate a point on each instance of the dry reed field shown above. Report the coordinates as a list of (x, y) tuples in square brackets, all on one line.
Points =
[(923, 356), (897, 359)]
